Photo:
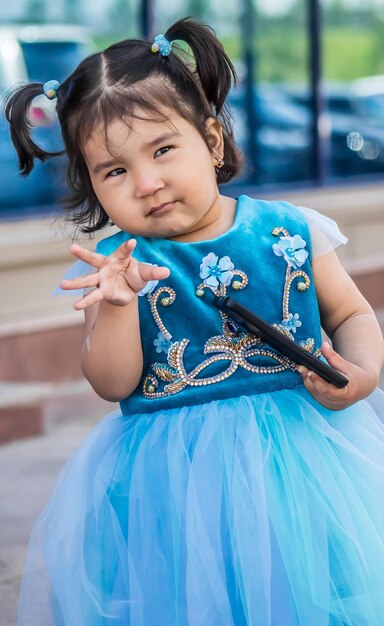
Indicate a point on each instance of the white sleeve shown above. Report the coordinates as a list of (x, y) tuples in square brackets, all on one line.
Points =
[(80, 268), (325, 233)]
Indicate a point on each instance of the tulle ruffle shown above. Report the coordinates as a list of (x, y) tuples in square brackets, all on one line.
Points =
[(325, 233), (260, 511)]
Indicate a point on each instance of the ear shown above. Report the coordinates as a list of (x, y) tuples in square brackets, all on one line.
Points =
[(214, 134)]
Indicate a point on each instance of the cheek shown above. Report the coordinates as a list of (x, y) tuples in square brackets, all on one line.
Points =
[(199, 169), (97, 188), (102, 198), (108, 194)]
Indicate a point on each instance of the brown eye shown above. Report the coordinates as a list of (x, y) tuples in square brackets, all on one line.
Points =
[(162, 150), (116, 172)]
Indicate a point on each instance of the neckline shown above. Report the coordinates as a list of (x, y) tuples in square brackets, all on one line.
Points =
[(213, 240)]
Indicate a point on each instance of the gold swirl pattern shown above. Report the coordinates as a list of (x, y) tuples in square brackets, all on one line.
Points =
[(301, 286), (236, 351), (232, 347), (166, 301)]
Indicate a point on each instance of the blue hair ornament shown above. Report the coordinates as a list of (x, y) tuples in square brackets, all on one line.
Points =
[(161, 45), (50, 88)]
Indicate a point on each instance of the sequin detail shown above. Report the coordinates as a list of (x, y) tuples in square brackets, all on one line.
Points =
[(162, 45), (234, 348)]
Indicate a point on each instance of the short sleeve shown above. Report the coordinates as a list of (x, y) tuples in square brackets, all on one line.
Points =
[(325, 233), (80, 268)]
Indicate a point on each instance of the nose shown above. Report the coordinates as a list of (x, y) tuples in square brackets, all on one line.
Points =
[(147, 181)]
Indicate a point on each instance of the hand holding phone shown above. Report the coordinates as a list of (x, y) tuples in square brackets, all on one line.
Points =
[(277, 340)]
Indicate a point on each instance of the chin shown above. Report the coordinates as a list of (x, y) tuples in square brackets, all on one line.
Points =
[(169, 231)]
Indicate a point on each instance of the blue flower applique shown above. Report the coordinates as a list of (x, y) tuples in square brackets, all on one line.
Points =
[(215, 272), (291, 322), (291, 248), (162, 343)]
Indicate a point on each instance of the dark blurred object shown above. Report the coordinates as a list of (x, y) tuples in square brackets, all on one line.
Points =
[(27, 54), (354, 123), (352, 126), (282, 135)]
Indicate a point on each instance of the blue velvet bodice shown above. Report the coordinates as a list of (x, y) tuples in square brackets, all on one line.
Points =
[(191, 353)]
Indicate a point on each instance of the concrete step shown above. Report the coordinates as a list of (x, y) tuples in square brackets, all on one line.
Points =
[(30, 409)]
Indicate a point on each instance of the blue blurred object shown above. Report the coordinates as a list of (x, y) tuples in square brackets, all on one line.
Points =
[(352, 128), (27, 54), (353, 124), (282, 135)]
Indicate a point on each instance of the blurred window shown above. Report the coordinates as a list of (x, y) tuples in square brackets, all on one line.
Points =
[(274, 127), (52, 60), (274, 106), (353, 86), (35, 53)]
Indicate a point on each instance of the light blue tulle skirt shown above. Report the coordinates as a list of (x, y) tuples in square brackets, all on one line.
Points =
[(263, 510)]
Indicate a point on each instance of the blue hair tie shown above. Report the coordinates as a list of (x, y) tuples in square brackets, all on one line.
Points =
[(162, 45), (50, 88)]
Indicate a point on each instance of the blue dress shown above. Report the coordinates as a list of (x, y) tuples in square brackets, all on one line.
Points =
[(222, 493)]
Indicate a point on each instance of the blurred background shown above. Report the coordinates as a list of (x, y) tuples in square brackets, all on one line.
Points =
[(308, 113), (308, 109)]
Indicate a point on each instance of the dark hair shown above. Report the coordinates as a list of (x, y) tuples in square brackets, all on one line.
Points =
[(117, 83)]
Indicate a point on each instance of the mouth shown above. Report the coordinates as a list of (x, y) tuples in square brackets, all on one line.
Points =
[(160, 209)]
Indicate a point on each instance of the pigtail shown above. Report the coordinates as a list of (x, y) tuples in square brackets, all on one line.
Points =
[(216, 75), (214, 68), (16, 111)]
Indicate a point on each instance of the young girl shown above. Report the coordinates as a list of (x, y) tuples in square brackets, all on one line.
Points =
[(231, 489)]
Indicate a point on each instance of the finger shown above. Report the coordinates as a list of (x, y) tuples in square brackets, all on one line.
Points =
[(82, 282), (152, 272), (313, 382), (303, 371), (334, 358), (309, 385), (325, 392), (91, 298), (318, 384), (93, 258), (318, 394), (123, 252)]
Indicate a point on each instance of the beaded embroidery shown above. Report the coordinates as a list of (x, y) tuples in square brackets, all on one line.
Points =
[(234, 347)]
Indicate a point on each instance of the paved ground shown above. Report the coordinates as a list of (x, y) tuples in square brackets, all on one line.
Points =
[(28, 471)]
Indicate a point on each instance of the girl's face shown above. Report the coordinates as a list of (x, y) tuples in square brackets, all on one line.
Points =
[(156, 178)]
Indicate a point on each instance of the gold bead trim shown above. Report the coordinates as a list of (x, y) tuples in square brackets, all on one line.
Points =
[(233, 347), (278, 230), (167, 301), (301, 286)]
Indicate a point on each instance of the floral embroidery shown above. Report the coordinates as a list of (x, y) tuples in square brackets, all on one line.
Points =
[(291, 248), (233, 347), (215, 272), (292, 322), (162, 343), (235, 350)]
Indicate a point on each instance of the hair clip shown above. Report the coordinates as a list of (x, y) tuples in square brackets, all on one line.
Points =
[(162, 45), (50, 88)]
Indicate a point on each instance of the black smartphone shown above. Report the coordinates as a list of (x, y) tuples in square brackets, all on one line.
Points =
[(277, 340)]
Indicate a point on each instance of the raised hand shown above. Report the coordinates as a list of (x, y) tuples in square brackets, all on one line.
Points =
[(360, 382), (117, 279)]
